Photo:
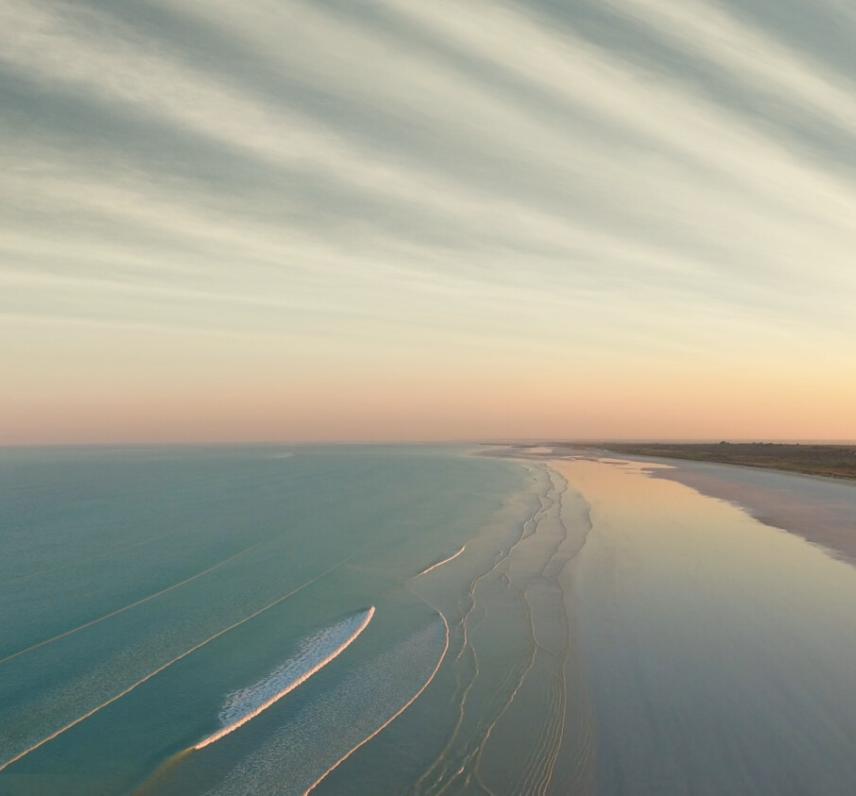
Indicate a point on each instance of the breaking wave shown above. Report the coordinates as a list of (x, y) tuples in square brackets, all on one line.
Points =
[(442, 561), (313, 654)]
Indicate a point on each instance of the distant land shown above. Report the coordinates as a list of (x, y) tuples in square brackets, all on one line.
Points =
[(838, 461)]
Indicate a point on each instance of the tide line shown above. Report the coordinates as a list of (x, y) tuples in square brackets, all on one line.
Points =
[(393, 717), (440, 563), (291, 686), (116, 697)]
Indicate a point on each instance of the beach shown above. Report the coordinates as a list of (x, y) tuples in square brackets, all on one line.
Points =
[(719, 648), (420, 620), (832, 460), (820, 509)]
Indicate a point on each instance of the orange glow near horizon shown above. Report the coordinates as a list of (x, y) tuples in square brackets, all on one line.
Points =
[(410, 403), (489, 235)]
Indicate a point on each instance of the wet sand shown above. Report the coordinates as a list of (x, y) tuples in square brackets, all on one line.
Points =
[(718, 651), (593, 627), (821, 510)]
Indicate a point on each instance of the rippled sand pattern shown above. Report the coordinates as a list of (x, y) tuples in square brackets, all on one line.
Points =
[(514, 659)]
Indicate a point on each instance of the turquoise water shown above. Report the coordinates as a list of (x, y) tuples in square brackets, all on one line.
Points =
[(195, 541), (369, 620)]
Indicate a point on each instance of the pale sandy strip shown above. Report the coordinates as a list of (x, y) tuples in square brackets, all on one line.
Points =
[(440, 563), (91, 622), (155, 672), (299, 681), (391, 719)]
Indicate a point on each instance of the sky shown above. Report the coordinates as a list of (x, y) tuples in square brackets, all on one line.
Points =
[(403, 220)]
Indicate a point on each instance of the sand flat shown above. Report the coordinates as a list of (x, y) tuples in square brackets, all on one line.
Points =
[(718, 650), (821, 510)]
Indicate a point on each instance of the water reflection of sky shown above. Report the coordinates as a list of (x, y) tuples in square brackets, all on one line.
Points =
[(722, 650)]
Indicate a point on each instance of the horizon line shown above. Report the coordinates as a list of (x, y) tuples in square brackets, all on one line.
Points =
[(424, 442)]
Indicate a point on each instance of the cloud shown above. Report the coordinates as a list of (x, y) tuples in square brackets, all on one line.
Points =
[(632, 177)]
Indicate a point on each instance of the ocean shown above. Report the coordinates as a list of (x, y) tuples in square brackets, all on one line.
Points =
[(408, 619)]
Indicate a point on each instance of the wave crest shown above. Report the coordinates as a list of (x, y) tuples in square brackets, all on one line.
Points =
[(313, 653), (438, 564)]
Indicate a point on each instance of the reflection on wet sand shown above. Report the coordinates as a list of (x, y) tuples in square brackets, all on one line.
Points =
[(821, 510), (720, 651)]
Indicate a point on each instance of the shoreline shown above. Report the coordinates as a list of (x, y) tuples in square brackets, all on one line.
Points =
[(836, 462), (824, 516), (819, 509), (829, 461)]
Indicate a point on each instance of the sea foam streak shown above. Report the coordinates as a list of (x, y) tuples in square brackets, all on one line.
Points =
[(155, 672), (313, 654), (129, 606), (397, 713), (443, 561)]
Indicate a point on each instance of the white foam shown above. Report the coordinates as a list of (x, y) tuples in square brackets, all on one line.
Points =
[(313, 654), (129, 606), (124, 692), (395, 715), (444, 561)]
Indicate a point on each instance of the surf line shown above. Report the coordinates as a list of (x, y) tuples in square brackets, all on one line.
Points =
[(117, 611), (440, 563), (116, 697), (393, 717), (291, 686)]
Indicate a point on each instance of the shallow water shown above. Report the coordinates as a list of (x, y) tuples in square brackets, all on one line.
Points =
[(584, 629)]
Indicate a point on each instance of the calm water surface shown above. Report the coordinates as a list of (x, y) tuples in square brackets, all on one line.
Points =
[(594, 630)]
